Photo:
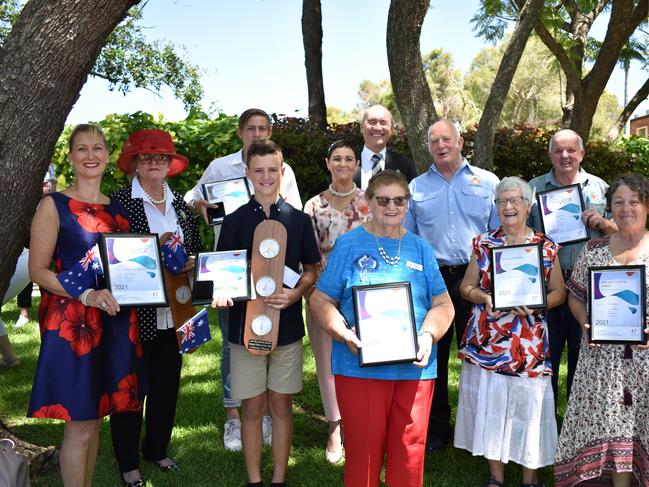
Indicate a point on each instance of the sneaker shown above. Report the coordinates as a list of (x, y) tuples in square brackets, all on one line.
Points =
[(21, 321), (232, 435), (267, 429)]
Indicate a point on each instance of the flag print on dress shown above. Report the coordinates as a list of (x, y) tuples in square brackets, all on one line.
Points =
[(194, 332), (174, 255), (83, 274)]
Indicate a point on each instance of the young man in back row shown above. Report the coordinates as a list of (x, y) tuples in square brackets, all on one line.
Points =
[(274, 378), (254, 125)]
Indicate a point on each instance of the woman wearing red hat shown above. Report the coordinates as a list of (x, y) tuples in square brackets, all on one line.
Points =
[(89, 360), (150, 156)]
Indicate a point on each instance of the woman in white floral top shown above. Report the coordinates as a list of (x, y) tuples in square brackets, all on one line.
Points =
[(333, 212), (606, 429)]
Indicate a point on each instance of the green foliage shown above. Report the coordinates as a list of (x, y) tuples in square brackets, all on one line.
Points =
[(198, 137), (128, 60), (520, 151), (9, 10), (638, 150), (523, 151)]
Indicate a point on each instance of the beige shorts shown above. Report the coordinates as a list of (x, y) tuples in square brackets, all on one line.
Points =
[(280, 371)]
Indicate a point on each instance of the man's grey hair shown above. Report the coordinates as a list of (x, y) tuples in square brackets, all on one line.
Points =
[(455, 125), (580, 141), (513, 183)]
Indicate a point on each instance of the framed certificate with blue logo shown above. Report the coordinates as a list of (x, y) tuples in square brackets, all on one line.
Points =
[(226, 196), (560, 211), (224, 273), (385, 323), (133, 269), (617, 312), (517, 277)]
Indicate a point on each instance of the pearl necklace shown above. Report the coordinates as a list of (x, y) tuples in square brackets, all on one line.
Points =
[(341, 194), (389, 260), (157, 202)]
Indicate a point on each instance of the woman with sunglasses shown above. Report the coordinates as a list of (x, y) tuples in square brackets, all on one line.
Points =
[(384, 408), (506, 406), (153, 207), (340, 208)]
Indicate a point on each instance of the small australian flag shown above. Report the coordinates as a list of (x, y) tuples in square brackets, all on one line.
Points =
[(194, 332), (174, 255), (83, 274)]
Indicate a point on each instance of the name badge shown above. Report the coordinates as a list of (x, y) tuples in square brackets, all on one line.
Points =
[(414, 266)]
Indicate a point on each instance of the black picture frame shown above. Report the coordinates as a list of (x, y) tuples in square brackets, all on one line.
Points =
[(620, 307), (400, 345), (214, 193), (504, 281), (150, 267), (541, 206), (205, 280)]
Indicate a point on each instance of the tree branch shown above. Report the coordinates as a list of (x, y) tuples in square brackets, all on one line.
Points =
[(573, 78), (638, 98)]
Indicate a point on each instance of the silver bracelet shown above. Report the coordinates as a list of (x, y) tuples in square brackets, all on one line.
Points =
[(84, 296)]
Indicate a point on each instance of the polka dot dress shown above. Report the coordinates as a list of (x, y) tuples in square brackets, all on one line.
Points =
[(139, 224)]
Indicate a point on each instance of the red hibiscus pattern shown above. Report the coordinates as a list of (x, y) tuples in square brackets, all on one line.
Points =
[(55, 312), (92, 218), (134, 332), (125, 397), (81, 327), (52, 411), (122, 224)]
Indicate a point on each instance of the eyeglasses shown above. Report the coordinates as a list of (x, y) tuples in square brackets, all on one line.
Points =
[(514, 201), (385, 201), (150, 158)]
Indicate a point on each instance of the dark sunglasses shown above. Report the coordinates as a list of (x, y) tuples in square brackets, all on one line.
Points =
[(385, 201)]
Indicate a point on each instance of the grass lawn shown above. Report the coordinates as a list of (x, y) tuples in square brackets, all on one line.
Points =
[(197, 442)]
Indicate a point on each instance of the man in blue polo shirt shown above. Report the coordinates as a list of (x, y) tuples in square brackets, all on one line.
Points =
[(274, 378), (451, 203)]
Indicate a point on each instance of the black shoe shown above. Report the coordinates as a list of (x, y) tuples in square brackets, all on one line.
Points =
[(278, 484), (134, 483), (172, 467), (255, 484), (434, 445)]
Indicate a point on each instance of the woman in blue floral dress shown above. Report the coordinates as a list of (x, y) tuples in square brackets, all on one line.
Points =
[(88, 366)]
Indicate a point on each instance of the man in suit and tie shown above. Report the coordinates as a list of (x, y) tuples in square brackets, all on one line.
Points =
[(376, 128)]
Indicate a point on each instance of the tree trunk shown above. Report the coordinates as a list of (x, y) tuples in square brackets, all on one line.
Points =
[(484, 138), (621, 121), (312, 39), (44, 63), (411, 91), (585, 91)]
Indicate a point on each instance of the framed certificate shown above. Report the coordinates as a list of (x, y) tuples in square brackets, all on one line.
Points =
[(517, 277), (561, 211), (228, 195), (385, 323), (225, 273), (133, 269), (617, 312)]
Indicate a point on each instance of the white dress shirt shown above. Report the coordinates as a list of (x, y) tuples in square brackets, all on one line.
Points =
[(160, 224), (366, 165)]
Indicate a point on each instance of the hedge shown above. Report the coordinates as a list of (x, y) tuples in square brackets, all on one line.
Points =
[(520, 150)]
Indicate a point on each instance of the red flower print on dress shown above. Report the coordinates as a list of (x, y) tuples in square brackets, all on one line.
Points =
[(81, 327), (122, 224), (52, 411), (125, 397), (134, 332), (92, 218), (104, 406), (55, 313)]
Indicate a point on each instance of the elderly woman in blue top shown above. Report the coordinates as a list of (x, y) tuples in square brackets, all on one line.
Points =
[(384, 408)]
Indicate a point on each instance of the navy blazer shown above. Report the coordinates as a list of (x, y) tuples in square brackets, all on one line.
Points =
[(394, 161)]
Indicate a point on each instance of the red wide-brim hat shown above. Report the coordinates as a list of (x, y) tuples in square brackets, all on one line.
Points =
[(150, 141)]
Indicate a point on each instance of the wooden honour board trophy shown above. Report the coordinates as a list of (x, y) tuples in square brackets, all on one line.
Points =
[(179, 295), (267, 267)]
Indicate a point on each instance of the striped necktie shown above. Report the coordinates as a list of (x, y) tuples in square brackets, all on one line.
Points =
[(376, 164)]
